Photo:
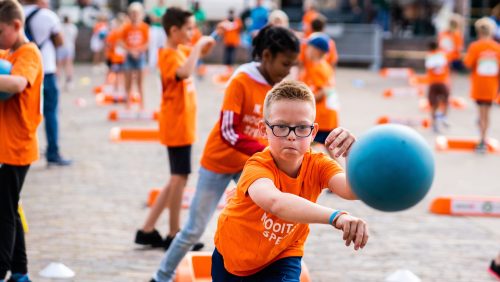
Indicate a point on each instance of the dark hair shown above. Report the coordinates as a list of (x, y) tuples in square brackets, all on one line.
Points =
[(432, 45), (10, 10), (276, 39), (318, 24), (175, 17)]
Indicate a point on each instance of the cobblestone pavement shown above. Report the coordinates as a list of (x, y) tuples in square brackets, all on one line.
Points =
[(86, 215)]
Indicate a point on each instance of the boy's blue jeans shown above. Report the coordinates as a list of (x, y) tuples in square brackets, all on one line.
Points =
[(50, 108), (209, 190), (286, 269)]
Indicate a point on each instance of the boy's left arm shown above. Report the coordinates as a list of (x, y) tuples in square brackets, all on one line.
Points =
[(12, 84), (340, 139)]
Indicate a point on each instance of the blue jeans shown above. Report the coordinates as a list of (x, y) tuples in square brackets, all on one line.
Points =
[(285, 269), (209, 190), (50, 108)]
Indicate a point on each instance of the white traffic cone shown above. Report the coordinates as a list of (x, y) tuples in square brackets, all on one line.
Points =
[(57, 270), (402, 275)]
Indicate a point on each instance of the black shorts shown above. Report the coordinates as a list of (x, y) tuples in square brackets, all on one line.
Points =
[(438, 92), (484, 102), (321, 136), (179, 159)]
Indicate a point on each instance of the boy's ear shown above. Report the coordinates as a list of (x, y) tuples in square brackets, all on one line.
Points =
[(18, 25), (315, 130), (262, 129), (267, 55), (173, 29)]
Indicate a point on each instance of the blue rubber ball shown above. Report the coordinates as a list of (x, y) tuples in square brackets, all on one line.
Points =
[(5, 68), (390, 168)]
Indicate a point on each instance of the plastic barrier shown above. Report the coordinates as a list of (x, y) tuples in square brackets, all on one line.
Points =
[(444, 143), (466, 205), (118, 134)]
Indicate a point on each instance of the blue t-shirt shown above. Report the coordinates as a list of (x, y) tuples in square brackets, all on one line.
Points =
[(259, 17)]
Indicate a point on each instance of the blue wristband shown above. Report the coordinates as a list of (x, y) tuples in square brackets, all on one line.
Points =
[(332, 217)]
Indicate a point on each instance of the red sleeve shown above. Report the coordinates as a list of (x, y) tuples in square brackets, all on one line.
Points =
[(245, 144)]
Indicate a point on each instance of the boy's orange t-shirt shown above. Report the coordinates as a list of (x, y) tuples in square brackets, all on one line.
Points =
[(21, 114), (99, 26), (317, 76), (249, 238), (177, 117), (114, 53), (243, 96), (232, 32), (452, 43), (135, 36), (307, 20), (438, 69), (483, 58)]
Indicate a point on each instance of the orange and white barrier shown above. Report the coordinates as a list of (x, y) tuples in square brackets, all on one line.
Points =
[(466, 205), (107, 99), (416, 80), (187, 197), (197, 267), (397, 72), (423, 122), (118, 134), (457, 103), (464, 144), (116, 115), (404, 92)]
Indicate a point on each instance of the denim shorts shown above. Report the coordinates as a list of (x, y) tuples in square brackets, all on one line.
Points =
[(132, 63)]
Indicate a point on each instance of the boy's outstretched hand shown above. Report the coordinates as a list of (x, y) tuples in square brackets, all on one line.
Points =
[(340, 138), (206, 43), (355, 230)]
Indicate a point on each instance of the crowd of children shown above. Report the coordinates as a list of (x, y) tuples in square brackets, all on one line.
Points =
[(261, 141)]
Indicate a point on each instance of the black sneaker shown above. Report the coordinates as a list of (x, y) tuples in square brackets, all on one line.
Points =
[(168, 241), (24, 278), (152, 280), (152, 238), (59, 161), (494, 270)]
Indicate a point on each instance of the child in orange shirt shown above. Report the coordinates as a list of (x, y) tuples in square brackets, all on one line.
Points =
[(438, 73), (97, 40), (451, 41), (262, 231), (232, 28), (318, 25), (318, 75), (235, 137), (177, 119), (115, 53), (483, 58), (135, 39), (20, 115)]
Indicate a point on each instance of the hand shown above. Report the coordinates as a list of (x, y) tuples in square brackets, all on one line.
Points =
[(340, 138), (205, 43), (355, 230)]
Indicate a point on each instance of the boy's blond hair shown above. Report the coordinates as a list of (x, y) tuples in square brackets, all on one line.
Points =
[(485, 26), (288, 90), (11, 10), (135, 6)]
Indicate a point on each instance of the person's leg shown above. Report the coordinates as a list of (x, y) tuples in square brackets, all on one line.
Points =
[(12, 249), (140, 75), (177, 185), (219, 272), (483, 121), (209, 190), (50, 108), (128, 85)]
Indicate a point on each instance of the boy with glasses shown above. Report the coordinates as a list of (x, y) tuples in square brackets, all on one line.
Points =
[(262, 231)]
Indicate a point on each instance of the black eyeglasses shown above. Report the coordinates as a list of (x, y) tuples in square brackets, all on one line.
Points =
[(280, 130)]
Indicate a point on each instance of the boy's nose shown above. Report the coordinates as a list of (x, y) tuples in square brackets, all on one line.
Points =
[(291, 136)]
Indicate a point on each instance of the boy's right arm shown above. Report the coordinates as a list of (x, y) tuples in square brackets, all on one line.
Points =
[(188, 68), (293, 208)]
